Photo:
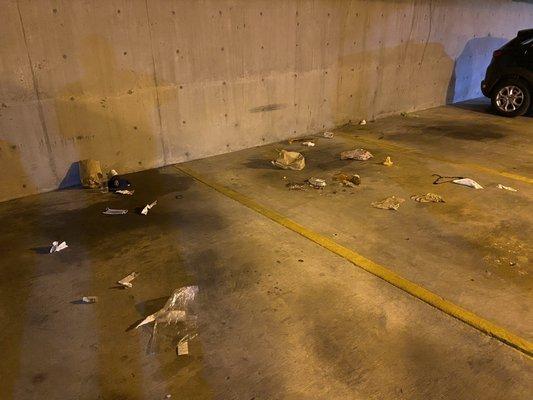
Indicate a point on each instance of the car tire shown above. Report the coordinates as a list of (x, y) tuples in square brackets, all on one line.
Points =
[(511, 98)]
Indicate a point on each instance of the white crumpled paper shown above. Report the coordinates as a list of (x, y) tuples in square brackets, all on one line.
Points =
[(56, 246), (468, 182)]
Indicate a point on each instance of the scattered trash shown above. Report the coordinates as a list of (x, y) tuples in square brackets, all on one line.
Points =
[(125, 192), (296, 186), (403, 114), (357, 154), (148, 207), (309, 144), (468, 182), (113, 211), (306, 139), (168, 396), (328, 135), (388, 162), (350, 180), (90, 173), (317, 183), (183, 348), (390, 203), (89, 299), (428, 198), (459, 180), (56, 246), (126, 281), (178, 309), (500, 186), (116, 182), (363, 122), (289, 160)]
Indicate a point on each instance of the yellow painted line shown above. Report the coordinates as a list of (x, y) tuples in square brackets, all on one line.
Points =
[(403, 149), (378, 270)]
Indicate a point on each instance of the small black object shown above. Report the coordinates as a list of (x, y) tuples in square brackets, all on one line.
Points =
[(118, 183)]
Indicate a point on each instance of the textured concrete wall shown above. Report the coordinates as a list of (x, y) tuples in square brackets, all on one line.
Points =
[(143, 83)]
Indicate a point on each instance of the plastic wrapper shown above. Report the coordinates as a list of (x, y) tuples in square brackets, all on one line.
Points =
[(175, 321)]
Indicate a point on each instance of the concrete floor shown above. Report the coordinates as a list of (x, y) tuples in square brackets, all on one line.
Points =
[(279, 316)]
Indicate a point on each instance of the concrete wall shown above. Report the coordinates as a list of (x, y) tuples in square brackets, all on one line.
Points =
[(143, 83)]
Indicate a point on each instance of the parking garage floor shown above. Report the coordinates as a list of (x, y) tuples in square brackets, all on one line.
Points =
[(281, 316)]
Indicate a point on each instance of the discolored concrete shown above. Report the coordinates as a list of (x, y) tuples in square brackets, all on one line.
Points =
[(279, 316)]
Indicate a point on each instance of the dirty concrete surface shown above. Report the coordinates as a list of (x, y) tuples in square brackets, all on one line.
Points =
[(279, 316)]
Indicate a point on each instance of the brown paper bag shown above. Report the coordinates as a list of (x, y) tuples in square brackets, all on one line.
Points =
[(90, 173)]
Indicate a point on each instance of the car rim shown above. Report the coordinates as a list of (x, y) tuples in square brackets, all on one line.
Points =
[(510, 98)]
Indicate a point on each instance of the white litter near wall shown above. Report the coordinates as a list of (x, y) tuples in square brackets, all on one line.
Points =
[(125, 192)]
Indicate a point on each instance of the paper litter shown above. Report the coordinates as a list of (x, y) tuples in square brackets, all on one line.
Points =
[(183, 348), (126, 281), (390, 203), (309, 144), (468, 182), (357, 154), (113, 211), (500, 186), (328, 135), (289, 160), (363, 122), (388, 162), (346, 179), (125, 192), (427, 198), (89, 299), (56, 246), (317, 183), (148, 207)]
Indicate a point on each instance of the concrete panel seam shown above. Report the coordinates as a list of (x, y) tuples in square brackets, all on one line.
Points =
[(156, 84), (51, 161)]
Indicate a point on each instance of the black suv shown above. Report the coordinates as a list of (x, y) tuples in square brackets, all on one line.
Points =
[(509, 78)]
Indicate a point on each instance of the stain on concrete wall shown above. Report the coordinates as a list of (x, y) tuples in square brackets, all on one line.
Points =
[(139, 84)]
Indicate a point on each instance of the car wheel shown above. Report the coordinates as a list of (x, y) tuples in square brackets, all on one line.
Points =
[(511, 98)]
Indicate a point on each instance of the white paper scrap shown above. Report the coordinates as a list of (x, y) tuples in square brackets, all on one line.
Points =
[(56, 246), (148, 207), (126, 281), (113, 211)]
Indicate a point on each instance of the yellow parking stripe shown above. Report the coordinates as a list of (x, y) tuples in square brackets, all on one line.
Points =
[(378, 270), (403, 149)]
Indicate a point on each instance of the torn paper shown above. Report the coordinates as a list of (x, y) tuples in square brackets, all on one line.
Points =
[(148, 207), (56, 246), (113, 211), (126, 281)]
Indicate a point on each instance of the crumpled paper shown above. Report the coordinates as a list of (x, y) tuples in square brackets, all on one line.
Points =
[(56, 246), (468, 182), (427, 198), (289, 160), (357, 154), (390, 203)]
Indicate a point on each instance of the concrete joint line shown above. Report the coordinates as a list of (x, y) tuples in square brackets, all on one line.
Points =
[(419, 292)]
